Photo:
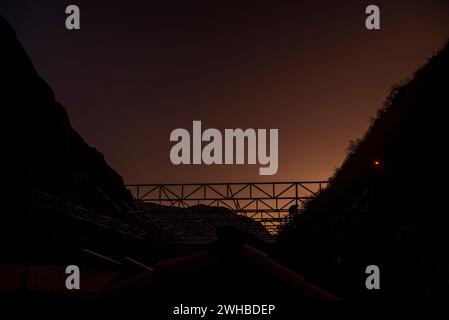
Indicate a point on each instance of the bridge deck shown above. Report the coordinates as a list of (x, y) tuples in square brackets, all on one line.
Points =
[(265, 202)]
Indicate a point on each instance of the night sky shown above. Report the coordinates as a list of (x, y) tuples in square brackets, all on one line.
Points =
[(139, 69)]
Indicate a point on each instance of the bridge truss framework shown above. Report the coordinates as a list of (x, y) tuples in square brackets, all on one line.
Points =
[(266, 202)]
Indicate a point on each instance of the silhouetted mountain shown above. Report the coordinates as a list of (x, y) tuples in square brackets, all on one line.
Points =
[(41, 149), (386, 204), (61, 191), (195, 224)]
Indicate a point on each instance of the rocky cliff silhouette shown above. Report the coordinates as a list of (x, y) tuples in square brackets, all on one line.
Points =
[(41, 150), (386, 204)]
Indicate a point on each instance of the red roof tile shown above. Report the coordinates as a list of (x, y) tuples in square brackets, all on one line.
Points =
[(51, 278)]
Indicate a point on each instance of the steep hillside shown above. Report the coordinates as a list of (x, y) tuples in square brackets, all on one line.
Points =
[(40, 148), (386, 204)]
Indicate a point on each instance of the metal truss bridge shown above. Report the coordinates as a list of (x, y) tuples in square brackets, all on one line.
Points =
[(265, 202), (191, 213)]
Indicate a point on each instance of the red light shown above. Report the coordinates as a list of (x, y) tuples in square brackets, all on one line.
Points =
[(377, 163)]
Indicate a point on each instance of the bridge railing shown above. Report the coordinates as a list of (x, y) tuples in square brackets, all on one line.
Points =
[(266, 202)]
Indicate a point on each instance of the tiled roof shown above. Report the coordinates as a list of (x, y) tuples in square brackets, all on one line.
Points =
[(51, 278)]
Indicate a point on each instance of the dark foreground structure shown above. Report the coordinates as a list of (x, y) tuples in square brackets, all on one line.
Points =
[(228, 271)]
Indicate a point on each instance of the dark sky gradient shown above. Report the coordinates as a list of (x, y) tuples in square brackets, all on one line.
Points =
[(138, 69)]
